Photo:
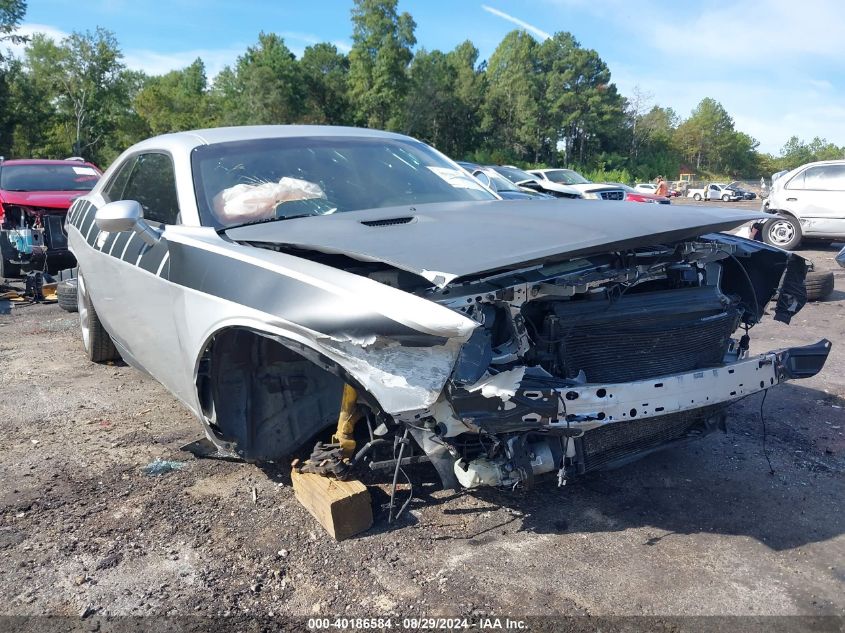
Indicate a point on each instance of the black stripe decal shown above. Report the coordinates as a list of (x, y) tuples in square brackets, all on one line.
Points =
[(120, 243), (108, 243), (151, 260), (134, 250), (268, 291), (86, 220)]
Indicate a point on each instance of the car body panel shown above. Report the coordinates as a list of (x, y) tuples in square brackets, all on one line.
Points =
[(821, 211), (456, 227)]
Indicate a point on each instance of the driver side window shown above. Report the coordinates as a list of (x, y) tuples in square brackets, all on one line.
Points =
[(152, 183)]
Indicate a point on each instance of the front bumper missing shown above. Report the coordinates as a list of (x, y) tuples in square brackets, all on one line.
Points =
[(575, 428), (542, 402)]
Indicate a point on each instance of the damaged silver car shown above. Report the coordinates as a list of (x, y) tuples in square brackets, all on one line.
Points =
[(283, 280)]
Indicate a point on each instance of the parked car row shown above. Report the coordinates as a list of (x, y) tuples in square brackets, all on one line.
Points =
[(558, 183)]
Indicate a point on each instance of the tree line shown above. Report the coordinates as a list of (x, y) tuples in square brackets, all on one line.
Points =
[(549, 103)]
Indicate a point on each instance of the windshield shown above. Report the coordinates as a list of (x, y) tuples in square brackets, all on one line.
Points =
[(514, 175), (499, 182), (59, 177), (250, 181), (566, 177)]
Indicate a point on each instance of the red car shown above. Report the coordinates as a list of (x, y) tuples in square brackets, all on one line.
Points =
[(632, 195), (34, 199)]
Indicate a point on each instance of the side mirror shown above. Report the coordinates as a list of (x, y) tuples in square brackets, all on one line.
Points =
[(126, 215)]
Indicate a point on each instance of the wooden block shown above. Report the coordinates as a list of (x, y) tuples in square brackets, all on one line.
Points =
[(343, 508)]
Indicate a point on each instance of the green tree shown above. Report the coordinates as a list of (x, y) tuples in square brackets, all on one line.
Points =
[(82, 74), (432, 106), (176, 101), (265, 86), (511, 111), (325, 73), (655, 154), (378, 62), (583, 111), (11, 14), (469, 87)]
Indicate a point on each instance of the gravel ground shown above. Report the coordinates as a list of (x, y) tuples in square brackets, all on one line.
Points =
[(703, 530)]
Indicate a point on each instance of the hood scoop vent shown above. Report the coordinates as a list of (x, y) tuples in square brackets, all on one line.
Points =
[(387, 221)]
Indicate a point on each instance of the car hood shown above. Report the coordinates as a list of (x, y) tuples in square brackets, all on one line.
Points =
[(592, 187), (48, 199), (444, 241)]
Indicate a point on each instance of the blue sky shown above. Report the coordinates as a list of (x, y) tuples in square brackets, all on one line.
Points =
[(776, 65)]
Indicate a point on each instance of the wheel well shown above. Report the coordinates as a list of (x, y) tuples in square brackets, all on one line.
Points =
[(260, 397)]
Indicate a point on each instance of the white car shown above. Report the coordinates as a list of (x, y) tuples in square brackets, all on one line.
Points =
[(281, 280), (645, 187), (552, 178), (809, 202), (714, 191)]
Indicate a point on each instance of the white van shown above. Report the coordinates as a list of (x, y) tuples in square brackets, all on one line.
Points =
[(809, 202)]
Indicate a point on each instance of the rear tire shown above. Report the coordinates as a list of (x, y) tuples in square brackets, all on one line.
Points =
[(96, 341), (819, 285), (7, 269), (697, 197), (782, 231), (66, 293)]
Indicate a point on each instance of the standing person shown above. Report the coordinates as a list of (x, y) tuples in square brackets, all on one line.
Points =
[(662, 187)]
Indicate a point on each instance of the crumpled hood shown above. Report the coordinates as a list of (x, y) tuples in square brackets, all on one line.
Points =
[(46, 199), (443, 241)]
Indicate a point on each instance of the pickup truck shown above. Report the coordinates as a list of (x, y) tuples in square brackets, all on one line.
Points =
[(714, 191)]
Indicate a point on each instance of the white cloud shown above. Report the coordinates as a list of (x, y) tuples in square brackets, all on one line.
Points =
[(760, 32), (308, 38), (155, 63), (28, 30), (770, 111), (520, 23)]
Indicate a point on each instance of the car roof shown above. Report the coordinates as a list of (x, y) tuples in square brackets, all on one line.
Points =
[(45, 161), (194, 138)]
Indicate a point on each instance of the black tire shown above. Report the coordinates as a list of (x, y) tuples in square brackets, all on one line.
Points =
[(96, 341), (7, 269), (726, 198), (819, 285), (66, 294), (696, 197), (782, 231)]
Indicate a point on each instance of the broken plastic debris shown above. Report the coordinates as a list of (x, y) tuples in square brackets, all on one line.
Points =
[(161, 467), (502, 385)]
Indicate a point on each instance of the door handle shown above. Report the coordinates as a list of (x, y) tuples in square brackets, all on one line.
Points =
[(792, 199)]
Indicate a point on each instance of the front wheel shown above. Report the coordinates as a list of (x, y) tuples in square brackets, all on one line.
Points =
[(96, 341), (784, 231), (726, 198)]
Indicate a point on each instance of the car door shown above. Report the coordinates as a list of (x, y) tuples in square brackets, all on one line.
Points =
[(713, 192), (128, 278), (818, 192)]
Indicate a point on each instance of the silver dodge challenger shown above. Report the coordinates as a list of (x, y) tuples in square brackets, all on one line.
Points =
[(283, 280)]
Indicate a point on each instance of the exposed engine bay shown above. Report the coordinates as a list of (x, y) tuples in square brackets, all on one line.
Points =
[(30, 234), (563, 374), (589, 363)]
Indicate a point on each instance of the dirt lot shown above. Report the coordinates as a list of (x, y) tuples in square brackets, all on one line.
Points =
[(697, 531)]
